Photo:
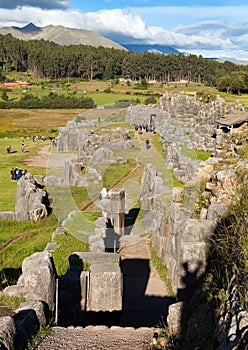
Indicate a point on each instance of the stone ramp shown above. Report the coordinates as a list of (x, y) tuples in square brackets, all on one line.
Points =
[(145, 296), (98, 338)]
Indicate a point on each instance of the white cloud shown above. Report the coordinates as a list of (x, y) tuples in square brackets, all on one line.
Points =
[(203, 37), (43, 4)]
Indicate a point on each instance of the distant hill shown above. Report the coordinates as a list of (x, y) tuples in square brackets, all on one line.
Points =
[(162, 49), (61, 35)]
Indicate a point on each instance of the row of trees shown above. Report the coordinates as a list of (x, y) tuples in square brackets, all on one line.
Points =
[(29, 101), (49, 60)]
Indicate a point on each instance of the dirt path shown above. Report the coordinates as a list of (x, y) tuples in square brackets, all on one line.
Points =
[(98, 338), (145, 296)]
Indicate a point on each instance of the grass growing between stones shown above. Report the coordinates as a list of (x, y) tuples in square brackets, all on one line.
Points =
[(10, 302), (157, 263), (36, 340), (194, 153)]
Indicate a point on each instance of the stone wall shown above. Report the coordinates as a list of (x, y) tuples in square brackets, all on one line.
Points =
[(37, 286), (179, 240)]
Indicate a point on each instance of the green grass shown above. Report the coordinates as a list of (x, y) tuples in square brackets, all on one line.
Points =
[(67, 246), (10, 302), (194, 153), (81, 222), (114, 172), (13, 160), (36, 340), (161, 269), (12, 257), (9, 229)]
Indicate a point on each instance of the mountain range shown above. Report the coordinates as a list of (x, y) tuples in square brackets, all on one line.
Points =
[(69, 36), (60, 35)]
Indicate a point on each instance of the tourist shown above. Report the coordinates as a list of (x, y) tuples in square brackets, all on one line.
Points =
[(147, 144), (13, 174), (103, 194), (9, 149)]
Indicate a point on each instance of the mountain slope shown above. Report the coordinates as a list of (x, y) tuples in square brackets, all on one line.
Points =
[(61, 36), (151, 48)]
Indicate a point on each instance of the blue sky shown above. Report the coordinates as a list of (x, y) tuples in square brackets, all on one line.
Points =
[(212, 29)]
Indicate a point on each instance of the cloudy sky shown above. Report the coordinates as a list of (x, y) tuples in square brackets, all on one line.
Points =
[(216, 28)]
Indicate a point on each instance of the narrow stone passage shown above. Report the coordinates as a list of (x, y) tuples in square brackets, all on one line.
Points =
[(145, 305)]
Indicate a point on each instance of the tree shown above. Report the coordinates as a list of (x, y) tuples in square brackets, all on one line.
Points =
[(4, 95), (236, 82)]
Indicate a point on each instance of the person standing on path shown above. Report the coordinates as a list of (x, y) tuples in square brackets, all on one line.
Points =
[(23, 146), (147, 144)]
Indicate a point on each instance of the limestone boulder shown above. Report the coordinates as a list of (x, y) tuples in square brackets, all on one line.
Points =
[(30, 200), (7, 215), (7, 333), (37, 281)]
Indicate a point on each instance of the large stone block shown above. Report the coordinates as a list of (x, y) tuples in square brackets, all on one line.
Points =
[(105, 292), (30, 200), (37, 281)]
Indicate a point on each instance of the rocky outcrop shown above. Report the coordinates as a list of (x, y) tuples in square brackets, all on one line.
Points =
[(7, 333), (31, 200), (37, 281), (37, 286)]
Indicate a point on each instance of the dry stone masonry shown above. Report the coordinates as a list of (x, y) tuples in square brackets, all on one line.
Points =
[(180, 219), (183, 220)]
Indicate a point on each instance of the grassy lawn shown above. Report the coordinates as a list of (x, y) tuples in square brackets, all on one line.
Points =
[(29, 122), (12, 257), (13, 160)]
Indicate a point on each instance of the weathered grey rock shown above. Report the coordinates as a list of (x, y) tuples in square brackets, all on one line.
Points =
[(53, 181), (7, 215), (84, 286), (216, 211), (7, 333), (37, 281), (30, 200), (40, 309), (98, 257), (105, 292), (100, 156), (174, 317), (51, 246)]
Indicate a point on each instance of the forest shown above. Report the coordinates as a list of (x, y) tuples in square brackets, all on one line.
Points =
[(49, 60)]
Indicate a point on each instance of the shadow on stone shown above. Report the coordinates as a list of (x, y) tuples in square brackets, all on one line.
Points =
[(130, 219), (9, 276), (139, 309)]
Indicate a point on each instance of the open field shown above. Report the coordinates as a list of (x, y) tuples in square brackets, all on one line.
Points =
[(118, 90), (28, 122)]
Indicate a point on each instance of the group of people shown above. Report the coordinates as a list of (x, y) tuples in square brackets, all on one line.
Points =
[(9, 148), (17, 173), (36, 138)]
